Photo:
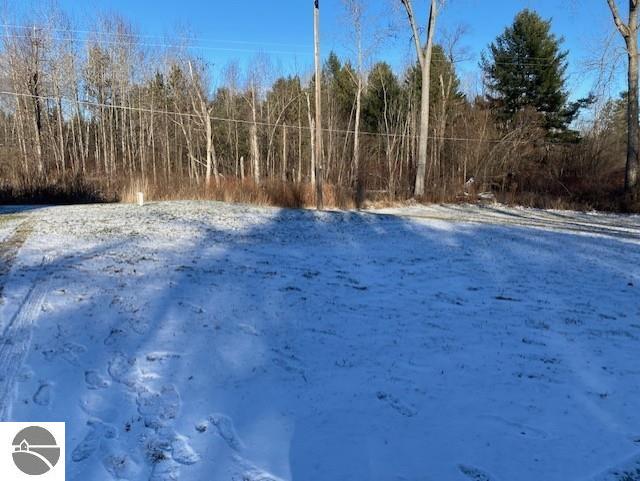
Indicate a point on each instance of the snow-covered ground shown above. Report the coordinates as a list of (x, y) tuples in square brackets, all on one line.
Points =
[(202, 341)]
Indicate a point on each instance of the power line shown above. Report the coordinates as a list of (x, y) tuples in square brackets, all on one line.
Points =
[(169, 45), (189, 39), (528, 61), (138, 35), (269, 124), (241, 50)]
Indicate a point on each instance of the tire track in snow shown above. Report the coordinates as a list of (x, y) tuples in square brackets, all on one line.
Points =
[(527, 220), (9, 250), (15, 342)]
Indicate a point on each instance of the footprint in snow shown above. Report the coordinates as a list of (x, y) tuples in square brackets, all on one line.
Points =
[(159, 356), (121, 466), (226, 430), (24, 375), (182, 452), (139, 326), (259, 475), (249, 329), (91, 442), (42, 397), (115, 336), (474, 473), (165, 449), (94, 380), (157, 446), (69, 351), (165, 470), (397, 404), (159, 407), (124, 370)]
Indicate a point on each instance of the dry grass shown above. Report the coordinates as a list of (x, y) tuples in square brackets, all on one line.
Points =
[(9, 250), (54, 190), (600, 194), (290, 195), (604, 193)]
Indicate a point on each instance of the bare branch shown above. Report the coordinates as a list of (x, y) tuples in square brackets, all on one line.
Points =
[(620, 25), (414, 28)]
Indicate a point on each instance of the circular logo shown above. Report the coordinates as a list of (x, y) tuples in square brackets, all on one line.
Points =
[(35, 451)]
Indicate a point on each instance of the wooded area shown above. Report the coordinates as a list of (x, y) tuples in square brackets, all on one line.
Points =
[(106, 115)]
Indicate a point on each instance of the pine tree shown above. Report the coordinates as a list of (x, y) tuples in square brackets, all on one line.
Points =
[(338, 82), (382, 96), (443, 71), (525, 69)]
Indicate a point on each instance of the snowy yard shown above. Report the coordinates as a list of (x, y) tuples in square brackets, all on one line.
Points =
[(202, 341)]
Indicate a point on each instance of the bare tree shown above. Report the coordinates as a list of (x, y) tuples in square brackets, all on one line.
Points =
[(424, 58), (253, 134), (204, 112), (355, 9), (629, 32), (318, 80), (25, 59), (312, 141)]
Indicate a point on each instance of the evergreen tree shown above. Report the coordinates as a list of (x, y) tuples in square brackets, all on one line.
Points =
[(338, 83), (525, 69), (382, 96), (441, 67)]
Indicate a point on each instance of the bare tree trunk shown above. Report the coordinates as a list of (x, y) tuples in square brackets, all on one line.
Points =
[(167, 153), (37, 127), (633, 148), (34, 81), (318, 136), (21, 136), (253, 133), (255, 152), (284, 152), (209, 149), (81, 142), (312, 139), (61, 139), (355, 8), (205, 117), (629, 32), (152, 140), (424, 57), (299, 142), (73, 155), (356, 133)]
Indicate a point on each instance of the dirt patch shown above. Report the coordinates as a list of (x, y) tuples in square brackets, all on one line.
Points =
[(9, 250)]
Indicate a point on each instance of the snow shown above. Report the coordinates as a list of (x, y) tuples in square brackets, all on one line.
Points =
[(199, 341), (8, 223)]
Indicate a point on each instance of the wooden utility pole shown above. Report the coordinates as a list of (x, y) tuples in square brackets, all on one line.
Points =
[(318, 146), (629, 32)]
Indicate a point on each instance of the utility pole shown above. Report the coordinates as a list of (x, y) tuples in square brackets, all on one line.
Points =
[(318, 153)]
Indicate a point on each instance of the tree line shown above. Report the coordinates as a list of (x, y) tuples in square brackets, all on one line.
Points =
[(109, 110)]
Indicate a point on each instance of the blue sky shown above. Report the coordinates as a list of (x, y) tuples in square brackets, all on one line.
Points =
[(238, 29)]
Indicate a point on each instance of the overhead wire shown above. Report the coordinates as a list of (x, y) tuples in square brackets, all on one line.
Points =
[(271, 124)]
